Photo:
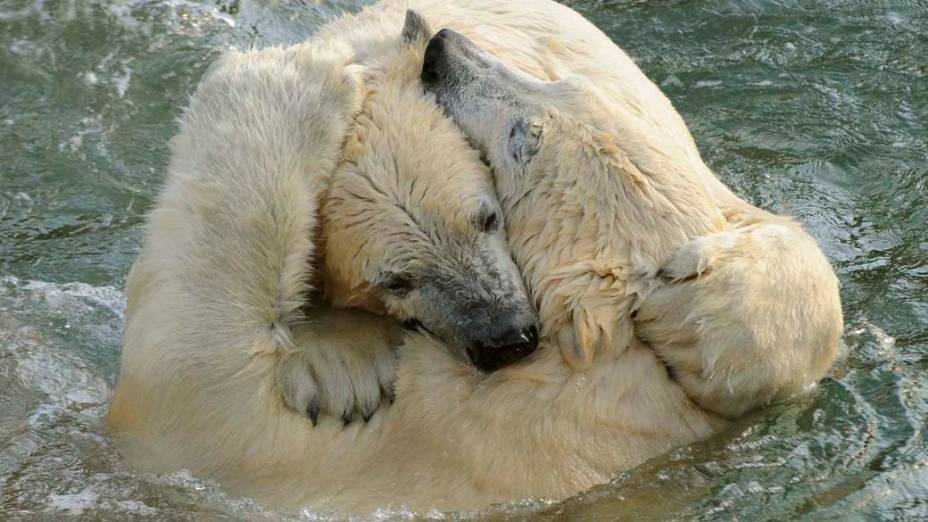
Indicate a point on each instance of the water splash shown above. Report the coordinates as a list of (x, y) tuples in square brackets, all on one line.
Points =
[(815, 111)]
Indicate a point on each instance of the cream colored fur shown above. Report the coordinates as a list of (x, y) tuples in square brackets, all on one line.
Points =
[(218, 326), (746, 308), (763, 319), (747, 316)]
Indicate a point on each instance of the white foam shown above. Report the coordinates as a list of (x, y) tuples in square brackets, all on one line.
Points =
[(224, 17), (73, 504), (672, 81), (67, 382), (37, 8), (66, 295), (136, 507), (123, 13), (883, 346), (122, 81)]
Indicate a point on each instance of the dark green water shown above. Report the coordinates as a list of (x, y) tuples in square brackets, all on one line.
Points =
[(816, 109)]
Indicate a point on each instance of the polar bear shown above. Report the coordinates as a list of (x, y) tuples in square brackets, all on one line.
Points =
[(289, 159), (265, 135), (224, 357), (746, 309)]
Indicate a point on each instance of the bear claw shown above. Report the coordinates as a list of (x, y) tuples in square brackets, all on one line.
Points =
[(312, 410), (345, 378)]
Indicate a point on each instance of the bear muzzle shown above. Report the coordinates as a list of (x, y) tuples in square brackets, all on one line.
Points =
[(505, 348)]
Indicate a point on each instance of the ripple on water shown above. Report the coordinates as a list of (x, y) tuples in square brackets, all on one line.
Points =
[(55, 455), (816, 109)]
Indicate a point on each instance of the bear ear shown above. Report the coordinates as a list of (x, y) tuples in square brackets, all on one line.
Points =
[(416, 30)]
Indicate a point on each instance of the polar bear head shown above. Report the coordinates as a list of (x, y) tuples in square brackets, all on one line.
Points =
[(523, 125), (412, 226)]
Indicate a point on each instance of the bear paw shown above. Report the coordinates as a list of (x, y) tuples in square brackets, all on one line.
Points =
[(342, 367), (744, 318)]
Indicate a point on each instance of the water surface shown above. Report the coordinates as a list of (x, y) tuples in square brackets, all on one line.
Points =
[(815, 109)]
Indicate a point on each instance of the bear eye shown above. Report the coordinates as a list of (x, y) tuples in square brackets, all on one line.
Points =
[(524, 140), (488, 221), (398, 284)]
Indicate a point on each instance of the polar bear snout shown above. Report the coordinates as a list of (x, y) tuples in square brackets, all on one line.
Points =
[(503, 348), (489, 100), (452, 62), (442, 51), (434, 61), (486, 319)]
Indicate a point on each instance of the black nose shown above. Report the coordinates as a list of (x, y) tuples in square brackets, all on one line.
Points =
[(434, 62), (511, 347)]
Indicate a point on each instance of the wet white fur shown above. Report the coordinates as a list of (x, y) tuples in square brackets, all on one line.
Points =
[(216, 297)]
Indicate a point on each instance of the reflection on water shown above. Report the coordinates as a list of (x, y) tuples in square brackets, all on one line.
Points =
[(813, 108)]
